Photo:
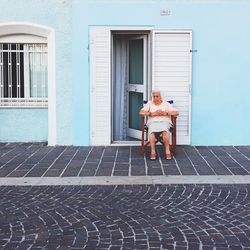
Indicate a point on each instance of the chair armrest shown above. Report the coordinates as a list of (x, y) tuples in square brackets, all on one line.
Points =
[(173, 119)]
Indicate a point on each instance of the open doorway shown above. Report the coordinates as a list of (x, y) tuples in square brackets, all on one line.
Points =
[(115, 100), (129, 85)]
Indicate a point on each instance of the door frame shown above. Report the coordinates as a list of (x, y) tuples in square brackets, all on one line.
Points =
[(101, 133), (142, 88), (146, 74)]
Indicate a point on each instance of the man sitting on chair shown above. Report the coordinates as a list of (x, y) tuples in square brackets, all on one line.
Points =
[(159, 120)]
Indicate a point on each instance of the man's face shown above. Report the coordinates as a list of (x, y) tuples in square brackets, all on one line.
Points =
[(156, 96)]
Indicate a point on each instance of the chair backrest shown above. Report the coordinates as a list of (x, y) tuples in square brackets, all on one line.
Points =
[(169, 101)]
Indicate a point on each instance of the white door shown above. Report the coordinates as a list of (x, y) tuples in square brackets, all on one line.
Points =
[(171, 73), (137, 83), (100, 88)]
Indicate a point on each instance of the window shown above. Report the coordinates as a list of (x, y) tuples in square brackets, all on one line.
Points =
[(23, 75)]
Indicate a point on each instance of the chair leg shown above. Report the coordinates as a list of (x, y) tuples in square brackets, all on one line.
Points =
[(174, 134), (143, 147), (142, 136), (142, 150), (174, 143)]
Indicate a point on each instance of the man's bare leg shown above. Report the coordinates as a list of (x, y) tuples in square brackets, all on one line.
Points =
[(165, 137), (152, 146)]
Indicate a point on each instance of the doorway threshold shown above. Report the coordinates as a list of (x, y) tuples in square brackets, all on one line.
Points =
[(126, 143)]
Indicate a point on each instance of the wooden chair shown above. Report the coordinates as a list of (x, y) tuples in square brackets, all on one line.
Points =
[(144, 129)]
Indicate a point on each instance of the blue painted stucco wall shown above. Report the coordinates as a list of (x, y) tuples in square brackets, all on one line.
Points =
[(221, 75), (57, 15), (220, 79), (23, 124)]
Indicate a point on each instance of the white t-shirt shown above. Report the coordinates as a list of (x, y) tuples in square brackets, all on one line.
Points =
[(164, 106)]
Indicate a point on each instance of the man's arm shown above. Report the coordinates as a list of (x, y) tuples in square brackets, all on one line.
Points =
[(174, 113), (144, 113)]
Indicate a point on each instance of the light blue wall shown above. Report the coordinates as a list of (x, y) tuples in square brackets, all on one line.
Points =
[(17, 125), (221, 66), (55, 14), (221, 75)]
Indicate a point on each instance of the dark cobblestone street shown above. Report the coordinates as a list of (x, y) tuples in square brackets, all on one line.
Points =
[(125, 217), (93, 216)]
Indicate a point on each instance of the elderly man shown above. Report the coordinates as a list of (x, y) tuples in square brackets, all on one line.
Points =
[(159, 120)]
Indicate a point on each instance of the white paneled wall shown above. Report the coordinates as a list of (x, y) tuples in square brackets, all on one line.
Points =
[(171, 74)]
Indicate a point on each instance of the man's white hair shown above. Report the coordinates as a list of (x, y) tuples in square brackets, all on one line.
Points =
[(157, 91)]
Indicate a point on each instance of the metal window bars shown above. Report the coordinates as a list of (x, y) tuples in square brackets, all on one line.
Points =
[(23, 75)]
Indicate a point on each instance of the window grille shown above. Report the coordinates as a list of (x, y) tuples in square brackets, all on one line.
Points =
[(23, 75)]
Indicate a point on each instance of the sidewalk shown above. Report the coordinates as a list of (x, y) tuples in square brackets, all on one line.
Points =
[(38, 164), (38, 160)]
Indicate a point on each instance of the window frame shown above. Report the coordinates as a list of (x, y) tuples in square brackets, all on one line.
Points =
[(27, 100), (47, 33)]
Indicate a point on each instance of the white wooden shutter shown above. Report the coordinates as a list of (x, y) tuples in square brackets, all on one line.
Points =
[(100, 93), (171, 73)]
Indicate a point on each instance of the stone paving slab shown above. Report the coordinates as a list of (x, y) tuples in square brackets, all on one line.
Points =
[(125, 217), (39, 160)]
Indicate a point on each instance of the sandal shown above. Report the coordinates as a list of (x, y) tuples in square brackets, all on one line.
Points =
[(152, 156), (168, 156)]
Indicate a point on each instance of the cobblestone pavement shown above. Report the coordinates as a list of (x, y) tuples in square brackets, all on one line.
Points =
[(125, 217), (39, 160), (177, 216)]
